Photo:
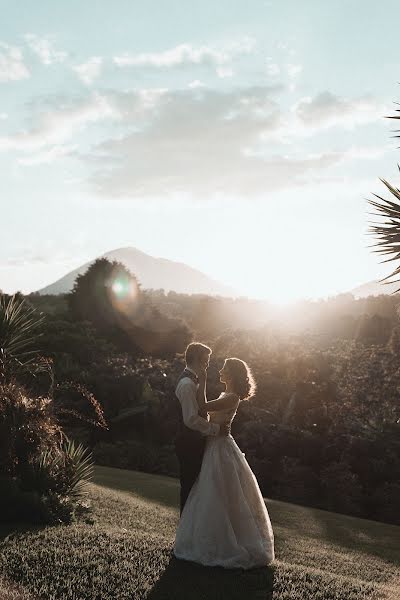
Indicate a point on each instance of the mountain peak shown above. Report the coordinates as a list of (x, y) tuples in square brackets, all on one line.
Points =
[(152, 273)]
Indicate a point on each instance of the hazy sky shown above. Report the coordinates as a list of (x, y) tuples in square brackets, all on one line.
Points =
[(240, 137)]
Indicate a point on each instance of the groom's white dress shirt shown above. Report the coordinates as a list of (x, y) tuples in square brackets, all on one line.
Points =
[(186, 391)]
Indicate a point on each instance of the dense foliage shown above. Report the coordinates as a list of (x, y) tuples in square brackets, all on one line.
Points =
[(42, 473), (110, 297), (323, 429)]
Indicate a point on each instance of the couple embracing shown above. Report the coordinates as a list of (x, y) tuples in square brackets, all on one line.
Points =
[(224, 521)]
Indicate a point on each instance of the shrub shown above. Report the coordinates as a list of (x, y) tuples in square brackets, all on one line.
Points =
[(387, 501), (297, 482), (342, 490), (43, 477), (27, 427), (136, 455)]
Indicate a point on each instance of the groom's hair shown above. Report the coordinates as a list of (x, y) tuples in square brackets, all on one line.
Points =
[(195, 351)]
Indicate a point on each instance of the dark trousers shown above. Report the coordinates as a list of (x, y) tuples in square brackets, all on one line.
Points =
[(189, 448)]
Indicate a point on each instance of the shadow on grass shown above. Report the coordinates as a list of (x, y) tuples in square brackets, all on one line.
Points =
[(182, 580), (368, 537), (160, 489), (7, 529)]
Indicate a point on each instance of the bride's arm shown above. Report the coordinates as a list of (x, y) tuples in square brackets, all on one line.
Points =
[(227, 401)]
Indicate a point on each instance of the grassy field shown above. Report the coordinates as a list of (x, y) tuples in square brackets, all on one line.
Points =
[(126, 553)]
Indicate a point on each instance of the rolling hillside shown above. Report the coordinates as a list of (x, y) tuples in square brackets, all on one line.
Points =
[(126, 553), (152, 273), (374, 288)]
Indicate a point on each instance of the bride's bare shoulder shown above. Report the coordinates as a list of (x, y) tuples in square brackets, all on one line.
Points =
[(224, 402)]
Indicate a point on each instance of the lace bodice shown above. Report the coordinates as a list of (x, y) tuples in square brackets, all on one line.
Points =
[(223, 416)]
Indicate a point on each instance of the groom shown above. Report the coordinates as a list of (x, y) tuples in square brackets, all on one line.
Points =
[(193, 426)]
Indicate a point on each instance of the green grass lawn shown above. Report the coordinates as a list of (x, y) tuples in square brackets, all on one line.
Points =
[(126, 553)]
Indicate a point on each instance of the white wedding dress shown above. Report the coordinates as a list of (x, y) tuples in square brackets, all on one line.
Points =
[(225, 521)]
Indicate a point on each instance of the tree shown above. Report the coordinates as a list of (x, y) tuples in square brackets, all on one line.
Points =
[(110, 297), (104, 293)]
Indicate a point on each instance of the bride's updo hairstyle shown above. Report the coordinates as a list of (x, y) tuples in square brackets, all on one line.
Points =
[(243, 382)]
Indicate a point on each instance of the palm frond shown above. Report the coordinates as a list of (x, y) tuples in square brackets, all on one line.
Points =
[(81, 468), (19, 330)]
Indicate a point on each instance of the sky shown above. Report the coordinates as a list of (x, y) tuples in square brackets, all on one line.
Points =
[(242, 138)]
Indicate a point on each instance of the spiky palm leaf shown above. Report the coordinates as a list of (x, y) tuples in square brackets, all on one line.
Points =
[(19, 329), (387, 231), (66, 470), (80, 461), (397, 116), (46, 465)]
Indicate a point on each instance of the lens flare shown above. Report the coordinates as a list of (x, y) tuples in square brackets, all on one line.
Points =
[(119, 288), (123, 288), (123, 293)]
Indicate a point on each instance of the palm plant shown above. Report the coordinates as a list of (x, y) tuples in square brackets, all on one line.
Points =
[(79, 462), (27, 427), (66, 470), (387, 232), (35, 462), (19, 329)]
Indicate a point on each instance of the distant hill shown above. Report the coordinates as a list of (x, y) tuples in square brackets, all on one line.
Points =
[(374, 288), (152, 273)]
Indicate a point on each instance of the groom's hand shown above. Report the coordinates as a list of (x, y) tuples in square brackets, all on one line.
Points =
[(224, 429)]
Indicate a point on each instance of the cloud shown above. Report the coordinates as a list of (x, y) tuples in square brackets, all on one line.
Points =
[(12, 66), (43, 47), (56, 126), (366, 152), (46, 255), (24, 260), (48, 156), (272, 68), (186, 54), (293, 70), (196, 83), (89, 70), (328, 110), (200, 142), (224, 72)]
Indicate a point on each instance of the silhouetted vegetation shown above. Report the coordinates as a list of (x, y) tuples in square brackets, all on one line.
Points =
[(323, 429), (386, 231), (110, 297), (42, 473)]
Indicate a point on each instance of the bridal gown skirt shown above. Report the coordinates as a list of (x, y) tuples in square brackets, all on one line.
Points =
[(225, 521)]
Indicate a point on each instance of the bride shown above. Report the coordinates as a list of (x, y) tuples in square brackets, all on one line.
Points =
[(225, 521)]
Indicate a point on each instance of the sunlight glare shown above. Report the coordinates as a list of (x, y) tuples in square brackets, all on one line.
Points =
[(123, 289)]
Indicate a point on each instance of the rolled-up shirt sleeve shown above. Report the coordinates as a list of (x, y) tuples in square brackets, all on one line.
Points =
[(186, 393)]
